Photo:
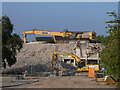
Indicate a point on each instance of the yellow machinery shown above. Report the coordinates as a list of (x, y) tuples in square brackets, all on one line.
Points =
[(81, 65), (100, 77), (65, 33)]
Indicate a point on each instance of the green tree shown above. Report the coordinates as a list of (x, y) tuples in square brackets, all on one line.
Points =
[(11, 43), (110, 55), (100, 39)]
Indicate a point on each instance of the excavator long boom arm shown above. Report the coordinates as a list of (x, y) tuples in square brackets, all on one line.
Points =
[(86, 35), (44, 32)]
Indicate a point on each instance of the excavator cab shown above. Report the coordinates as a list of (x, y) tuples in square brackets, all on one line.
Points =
[(81, 64)]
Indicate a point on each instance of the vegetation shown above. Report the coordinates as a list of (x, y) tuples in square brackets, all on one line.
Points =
[(110, 55), (100, 39), (11, 43)]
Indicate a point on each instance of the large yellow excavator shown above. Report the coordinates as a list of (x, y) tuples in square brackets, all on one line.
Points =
[(65, 33), (69, 60)]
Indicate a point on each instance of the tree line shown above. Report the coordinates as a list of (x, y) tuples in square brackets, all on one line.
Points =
[(110, 55), (11, 42)]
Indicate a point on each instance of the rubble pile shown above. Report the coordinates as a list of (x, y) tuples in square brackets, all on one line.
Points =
[(36, 57)]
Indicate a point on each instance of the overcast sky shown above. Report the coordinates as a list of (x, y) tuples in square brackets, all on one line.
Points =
[(74, 16)]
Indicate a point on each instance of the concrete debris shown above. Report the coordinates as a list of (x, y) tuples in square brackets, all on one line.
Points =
[(85, 49), (39, 56), (63, 68)]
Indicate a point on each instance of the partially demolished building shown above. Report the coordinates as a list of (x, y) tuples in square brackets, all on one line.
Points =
[(86, 50)]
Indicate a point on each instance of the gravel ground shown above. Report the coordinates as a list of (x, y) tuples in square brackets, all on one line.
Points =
[(61, 82)]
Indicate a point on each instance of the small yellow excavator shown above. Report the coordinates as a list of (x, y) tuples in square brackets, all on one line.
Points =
[(62, 61), (65, 33)]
